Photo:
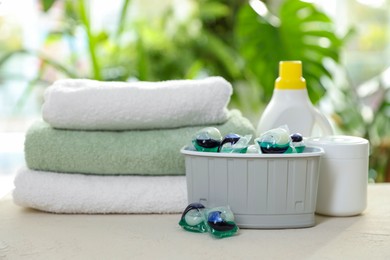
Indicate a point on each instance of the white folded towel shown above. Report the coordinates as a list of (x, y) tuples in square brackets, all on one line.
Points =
[(77, 193), (97, 105)]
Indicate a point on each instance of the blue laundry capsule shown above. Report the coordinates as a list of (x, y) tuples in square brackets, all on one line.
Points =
[(297, 142), (229, 138), (219, 224)]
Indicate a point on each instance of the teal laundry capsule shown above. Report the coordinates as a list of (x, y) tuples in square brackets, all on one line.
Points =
[(234, 143), (208, 139), (275, 141), (192, 218)]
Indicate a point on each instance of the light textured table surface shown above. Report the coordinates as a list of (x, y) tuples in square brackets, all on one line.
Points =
[(30, 234)]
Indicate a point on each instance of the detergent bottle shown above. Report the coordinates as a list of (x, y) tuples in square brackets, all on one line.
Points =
[(290, 105)]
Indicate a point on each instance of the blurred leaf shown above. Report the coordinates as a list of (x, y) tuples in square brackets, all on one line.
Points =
[(301, 35), (210, 10), (101, 37), (91, 40), (194, 69), (143, 62), (122, 19), (47, 4), (54, 36), (8, 56), (71, 12), (223, 54), (30, 86), (258, 42), (56, 65)]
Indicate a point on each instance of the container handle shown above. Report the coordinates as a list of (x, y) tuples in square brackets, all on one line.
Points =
[(323, 123)]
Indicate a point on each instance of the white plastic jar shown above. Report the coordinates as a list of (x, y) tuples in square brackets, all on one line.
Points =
[(342, 186)]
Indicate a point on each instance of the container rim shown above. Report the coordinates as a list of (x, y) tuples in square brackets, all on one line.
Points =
[(310, 151)]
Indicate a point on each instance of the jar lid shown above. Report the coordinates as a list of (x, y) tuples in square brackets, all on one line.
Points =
[(341, 146)]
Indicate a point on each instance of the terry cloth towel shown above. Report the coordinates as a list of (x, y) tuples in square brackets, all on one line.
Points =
[(78, 193), (147, 152), (97, 105)]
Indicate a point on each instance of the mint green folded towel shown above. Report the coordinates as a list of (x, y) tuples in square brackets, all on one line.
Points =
[(146, 152)]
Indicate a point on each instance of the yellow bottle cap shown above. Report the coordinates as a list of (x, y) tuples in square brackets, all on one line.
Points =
[(290, 75)]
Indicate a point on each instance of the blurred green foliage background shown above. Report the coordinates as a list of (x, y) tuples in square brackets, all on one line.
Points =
[(243, 41)]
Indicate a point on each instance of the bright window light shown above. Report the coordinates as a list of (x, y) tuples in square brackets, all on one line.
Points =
[(373, 3), (259, 7)]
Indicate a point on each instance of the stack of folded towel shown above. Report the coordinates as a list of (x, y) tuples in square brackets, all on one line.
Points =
[(114, 147)]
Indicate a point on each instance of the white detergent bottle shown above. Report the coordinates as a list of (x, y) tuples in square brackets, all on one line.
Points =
[(290, 105)]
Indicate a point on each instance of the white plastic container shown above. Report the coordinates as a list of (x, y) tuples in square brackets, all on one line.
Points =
[(263, 190), (290, 105), (342, 189)]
